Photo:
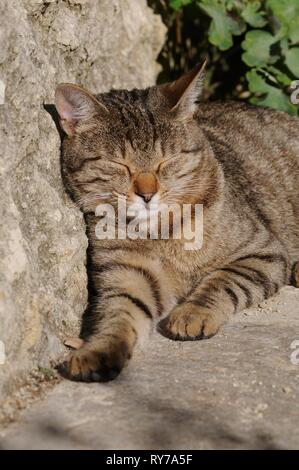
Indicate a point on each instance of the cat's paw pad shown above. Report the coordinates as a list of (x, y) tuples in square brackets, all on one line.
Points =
[(187, 322), (94, 365)]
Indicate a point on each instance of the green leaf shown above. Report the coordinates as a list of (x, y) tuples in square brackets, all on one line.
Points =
[(268, 95), (253, 16), (257, 48), (292, 60), (256, 82), (287, 12), (236, 5), (223, 26), (179, 4), (280, 76), (294, 30), (284, 46)]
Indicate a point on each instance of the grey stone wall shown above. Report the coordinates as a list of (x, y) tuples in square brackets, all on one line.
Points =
[(100, 44)]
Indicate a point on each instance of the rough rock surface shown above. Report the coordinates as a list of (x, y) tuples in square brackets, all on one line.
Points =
[(100, 44), (238, 390)]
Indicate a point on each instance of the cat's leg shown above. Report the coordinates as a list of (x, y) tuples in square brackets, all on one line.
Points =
[(237, 286), (128, 297)]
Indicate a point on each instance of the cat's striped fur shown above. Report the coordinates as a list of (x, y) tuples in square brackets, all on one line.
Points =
[(240, 162)]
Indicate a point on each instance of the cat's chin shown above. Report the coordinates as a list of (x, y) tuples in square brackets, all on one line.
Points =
[(141, 213)]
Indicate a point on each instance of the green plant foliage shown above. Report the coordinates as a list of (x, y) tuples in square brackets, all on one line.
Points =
[(292, 60), (179, 4), (257, 46), (268, 95), (287, 13), (223, 26), (252, 46), (253, 15)]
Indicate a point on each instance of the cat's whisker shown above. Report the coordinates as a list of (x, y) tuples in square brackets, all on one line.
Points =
[(92, 199), (119, 194)]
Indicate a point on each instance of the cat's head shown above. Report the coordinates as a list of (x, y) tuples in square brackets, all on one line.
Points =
[(142, 145)]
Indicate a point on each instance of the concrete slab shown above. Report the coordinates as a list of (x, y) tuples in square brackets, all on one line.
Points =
[(238, 390)]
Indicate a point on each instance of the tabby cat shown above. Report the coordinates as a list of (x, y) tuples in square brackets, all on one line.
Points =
[(159, 145)]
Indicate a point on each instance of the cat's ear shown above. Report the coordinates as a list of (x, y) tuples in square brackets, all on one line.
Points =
[(183, 94), (74, 105)]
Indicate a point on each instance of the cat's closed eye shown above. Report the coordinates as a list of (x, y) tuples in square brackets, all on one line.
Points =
[(123, 165), (175, 165)]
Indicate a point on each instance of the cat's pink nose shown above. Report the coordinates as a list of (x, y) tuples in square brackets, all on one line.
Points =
[(146, 196)]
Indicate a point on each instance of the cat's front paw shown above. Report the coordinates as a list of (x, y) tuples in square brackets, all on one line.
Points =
[(95, 364), (188, 322)]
